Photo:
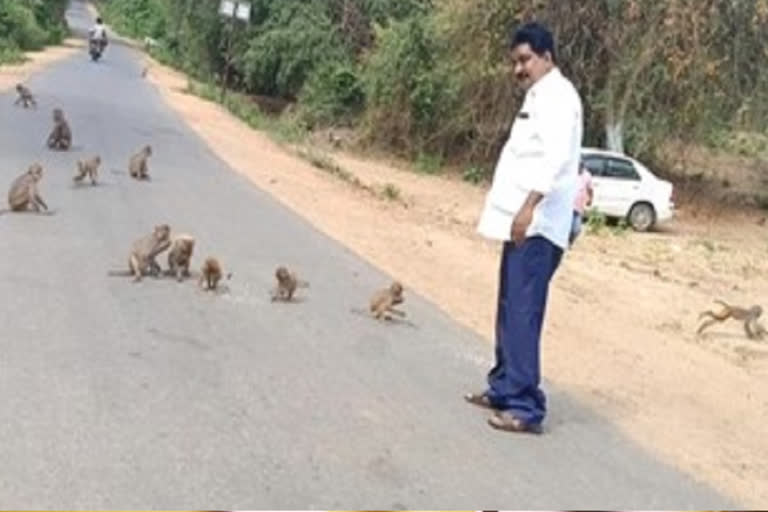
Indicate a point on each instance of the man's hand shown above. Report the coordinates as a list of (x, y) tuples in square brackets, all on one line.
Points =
[(520, 225), (524, 217)]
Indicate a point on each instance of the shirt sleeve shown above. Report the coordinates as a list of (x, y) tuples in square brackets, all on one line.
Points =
[(553, 125)]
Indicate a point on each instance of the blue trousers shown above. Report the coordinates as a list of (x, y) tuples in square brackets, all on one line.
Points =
[(523, 288)]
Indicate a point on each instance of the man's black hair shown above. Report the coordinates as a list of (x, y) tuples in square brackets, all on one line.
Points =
[(537, 36)]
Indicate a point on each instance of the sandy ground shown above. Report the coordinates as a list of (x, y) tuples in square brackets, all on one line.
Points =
[(11, 74), (623, 309)]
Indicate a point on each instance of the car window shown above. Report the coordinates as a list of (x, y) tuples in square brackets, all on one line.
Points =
[(621, 169), (595, 165)]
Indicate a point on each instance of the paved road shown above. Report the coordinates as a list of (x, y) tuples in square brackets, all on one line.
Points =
[(156, 395)]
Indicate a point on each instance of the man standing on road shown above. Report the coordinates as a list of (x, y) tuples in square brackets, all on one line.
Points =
[(530, 208)]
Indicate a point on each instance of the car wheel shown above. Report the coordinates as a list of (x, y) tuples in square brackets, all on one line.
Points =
[(641, 217)]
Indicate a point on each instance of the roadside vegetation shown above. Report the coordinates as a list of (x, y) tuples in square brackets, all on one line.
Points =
[(27, 25), (671, 82)]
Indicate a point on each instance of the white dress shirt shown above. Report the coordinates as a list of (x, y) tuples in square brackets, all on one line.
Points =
[(541, 154)]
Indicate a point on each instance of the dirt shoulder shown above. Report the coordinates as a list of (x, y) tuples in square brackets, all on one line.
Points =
[(11, 74), (623, 309)]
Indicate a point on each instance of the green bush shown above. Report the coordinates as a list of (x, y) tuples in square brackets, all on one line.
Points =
[(334, 92)]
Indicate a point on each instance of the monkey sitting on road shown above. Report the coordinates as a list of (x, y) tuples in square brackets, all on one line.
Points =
[(61, 135), (211, 274), (144, 251), (89, 167), (748, 316), (25, 96), (23, 193), (287, 283), (137, 166), (180, 256)]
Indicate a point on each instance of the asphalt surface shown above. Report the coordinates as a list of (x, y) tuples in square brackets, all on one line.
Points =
[(118, 395)]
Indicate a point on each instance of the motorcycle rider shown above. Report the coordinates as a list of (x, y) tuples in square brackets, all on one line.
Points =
[(99, 33)]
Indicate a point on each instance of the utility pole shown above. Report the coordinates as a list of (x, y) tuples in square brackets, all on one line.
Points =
[(234, 10)]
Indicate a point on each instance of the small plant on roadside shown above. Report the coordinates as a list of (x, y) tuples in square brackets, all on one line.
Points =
[(391, 192)]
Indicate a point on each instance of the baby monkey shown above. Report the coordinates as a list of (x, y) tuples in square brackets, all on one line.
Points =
[(25, 96), (287, 283), (748, 316), (211, 274), (61, 135), (89, 168), (383, 302), (180, 256)]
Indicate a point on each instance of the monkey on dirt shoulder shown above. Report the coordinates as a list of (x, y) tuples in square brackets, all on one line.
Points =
[(180, 256), (23, 194), (89, 168), (61, 135), (211, 274), (25, 96), (287, 283), (748, 316), (144, 251), (137, 166)]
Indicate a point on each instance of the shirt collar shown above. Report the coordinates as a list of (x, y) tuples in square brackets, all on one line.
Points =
[(551, 75)]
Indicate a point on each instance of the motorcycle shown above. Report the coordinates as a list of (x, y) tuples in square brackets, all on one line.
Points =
[(96, 48)]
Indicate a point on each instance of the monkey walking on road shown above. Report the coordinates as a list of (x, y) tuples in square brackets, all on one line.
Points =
[(211, 274), (382, 304), (88, 168), (748, 316), (25, 96), (287, 283)]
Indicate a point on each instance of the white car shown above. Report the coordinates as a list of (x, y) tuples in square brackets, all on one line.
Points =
[(624, 188)]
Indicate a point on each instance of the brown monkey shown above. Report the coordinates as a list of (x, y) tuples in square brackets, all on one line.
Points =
[(61, 135), (89, 167), (211, 274), (287, 283), (747, 315), (180, 256), (144, 251), (144, 72), (23, 193), (25, 96), (383, 301), (137, 166)]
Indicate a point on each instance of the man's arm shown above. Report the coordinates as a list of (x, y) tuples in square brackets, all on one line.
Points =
[(553, 128)]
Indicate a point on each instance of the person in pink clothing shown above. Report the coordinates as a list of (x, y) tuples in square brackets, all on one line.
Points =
[(583, 199)]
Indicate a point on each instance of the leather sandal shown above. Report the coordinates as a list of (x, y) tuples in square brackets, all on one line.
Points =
[(479, 399), (508, 422)]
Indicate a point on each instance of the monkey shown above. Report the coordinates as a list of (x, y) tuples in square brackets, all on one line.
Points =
[(287, 283), (23, 193), (180, 256), (25, 96), (749, 316), (211, 274), (89, 167), (144, 72), (137, 166), (144, 251), (61, 135), (383, 301)]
